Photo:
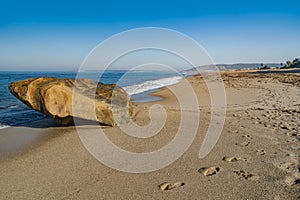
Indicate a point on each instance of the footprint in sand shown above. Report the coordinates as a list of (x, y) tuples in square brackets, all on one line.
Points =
[(233, 159), (246, 175), (247, 136), (170, 186), (244, 144), (292, 180), (260, 152), (288, 166), (209, 171)]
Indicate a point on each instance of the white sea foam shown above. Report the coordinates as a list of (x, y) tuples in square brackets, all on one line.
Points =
[(150, 85), (3, 126), (13, 106)]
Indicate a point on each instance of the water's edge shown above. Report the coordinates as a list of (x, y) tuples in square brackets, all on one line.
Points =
[(15, 113)]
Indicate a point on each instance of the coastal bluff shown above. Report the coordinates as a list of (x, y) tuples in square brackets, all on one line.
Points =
[(65, 99)]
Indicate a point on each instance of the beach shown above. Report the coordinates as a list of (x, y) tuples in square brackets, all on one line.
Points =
[(256, 157)]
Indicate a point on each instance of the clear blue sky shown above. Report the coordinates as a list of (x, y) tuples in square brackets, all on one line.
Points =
[(43, 35)]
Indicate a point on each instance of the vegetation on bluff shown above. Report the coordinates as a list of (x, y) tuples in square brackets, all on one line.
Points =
[(294, 64)]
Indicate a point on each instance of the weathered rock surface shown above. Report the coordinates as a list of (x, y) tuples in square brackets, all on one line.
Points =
[(65, 99)]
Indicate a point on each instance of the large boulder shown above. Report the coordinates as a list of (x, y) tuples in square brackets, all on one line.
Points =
[(66, 99)]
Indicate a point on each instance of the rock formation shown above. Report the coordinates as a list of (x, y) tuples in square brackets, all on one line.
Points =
[(66, 99)]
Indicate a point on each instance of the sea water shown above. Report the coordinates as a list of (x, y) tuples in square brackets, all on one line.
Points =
[(138, 84)]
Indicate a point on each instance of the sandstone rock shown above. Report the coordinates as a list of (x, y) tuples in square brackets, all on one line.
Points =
[(65, 99)]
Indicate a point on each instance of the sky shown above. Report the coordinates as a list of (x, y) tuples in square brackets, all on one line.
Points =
[(58, 35)]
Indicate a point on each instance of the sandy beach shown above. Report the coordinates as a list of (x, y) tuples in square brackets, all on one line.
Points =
[(256, 157)]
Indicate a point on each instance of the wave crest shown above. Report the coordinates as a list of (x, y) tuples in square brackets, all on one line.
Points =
[(152, 84)]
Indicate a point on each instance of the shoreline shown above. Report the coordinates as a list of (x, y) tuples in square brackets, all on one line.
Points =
[(257, 154), (145, 98)]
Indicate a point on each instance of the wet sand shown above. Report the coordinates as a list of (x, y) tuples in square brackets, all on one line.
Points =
[(256, 157)]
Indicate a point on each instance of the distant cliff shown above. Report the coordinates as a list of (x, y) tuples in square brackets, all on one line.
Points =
[(237, 66)]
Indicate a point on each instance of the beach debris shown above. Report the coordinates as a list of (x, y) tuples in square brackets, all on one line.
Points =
[(170, 186), (65, 99)]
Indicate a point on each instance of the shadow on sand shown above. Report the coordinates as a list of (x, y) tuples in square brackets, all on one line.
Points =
[(48, 122), (16, 139)]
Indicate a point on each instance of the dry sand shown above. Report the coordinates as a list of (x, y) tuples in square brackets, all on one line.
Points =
[(256, 157)]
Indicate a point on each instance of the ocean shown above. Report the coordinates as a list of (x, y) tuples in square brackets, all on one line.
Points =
[(138, 84)]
